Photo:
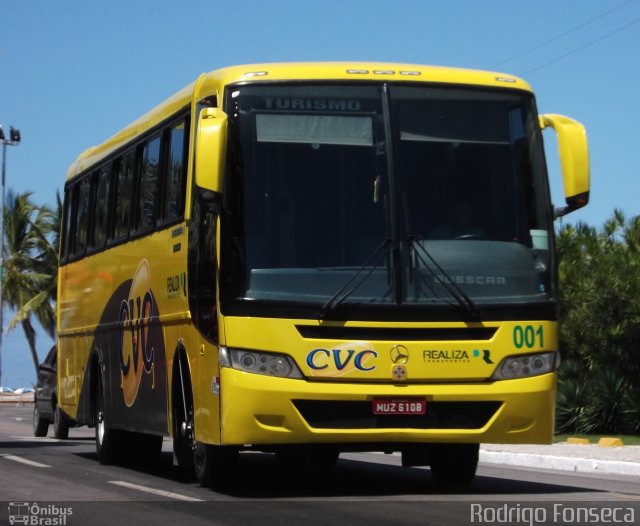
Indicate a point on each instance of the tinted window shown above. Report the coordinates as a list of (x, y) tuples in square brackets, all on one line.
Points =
[(82, 215), (123, 180), (148, 189), (67, 223), (101, 207), (174, 190)]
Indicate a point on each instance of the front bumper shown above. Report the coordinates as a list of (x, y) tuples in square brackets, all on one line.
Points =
[(265, 410)]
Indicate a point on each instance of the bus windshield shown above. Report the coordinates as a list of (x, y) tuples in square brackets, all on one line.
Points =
[(384, 194)]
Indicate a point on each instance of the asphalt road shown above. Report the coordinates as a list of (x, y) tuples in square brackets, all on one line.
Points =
[(62, 481)]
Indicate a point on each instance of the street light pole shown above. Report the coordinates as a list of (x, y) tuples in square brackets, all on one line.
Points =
[(13, 140)]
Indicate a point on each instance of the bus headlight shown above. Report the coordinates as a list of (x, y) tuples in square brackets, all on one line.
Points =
[(525, 365), (257, 362)]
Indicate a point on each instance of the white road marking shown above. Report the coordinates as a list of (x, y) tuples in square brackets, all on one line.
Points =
[(36, 439), (24, 461), (154, 491)]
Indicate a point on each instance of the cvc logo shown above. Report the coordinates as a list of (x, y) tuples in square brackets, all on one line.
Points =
[(134, 349), (341, 360)]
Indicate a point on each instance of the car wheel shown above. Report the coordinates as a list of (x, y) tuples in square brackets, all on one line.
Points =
[(60, 425), (40, 425)]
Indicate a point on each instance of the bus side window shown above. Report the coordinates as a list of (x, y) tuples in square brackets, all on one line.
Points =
[(100, 207), (67, 234), (148, 177), (174, 189), (82, 216), (123, 181)]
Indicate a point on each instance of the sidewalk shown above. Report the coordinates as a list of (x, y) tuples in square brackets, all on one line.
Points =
[(590, 458)]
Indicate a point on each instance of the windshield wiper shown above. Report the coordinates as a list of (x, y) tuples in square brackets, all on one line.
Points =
[(358, 277), (442, 278)]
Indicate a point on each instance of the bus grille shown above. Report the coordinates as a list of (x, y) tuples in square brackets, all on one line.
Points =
[(323, 414)]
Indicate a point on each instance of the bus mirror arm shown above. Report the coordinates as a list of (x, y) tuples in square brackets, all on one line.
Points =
[(210, 144), (574, 160)]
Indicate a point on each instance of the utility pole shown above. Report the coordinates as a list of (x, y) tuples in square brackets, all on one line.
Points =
[(13, 140)]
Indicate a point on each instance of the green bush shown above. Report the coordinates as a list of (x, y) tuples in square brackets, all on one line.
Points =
[(599, 273)]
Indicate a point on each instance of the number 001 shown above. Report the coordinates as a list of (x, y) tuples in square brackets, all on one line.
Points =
[(527, 336)]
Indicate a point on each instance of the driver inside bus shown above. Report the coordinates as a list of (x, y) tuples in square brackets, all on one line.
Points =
[(460, 225)]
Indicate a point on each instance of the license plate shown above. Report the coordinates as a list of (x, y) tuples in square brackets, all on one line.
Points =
[(399, 407)]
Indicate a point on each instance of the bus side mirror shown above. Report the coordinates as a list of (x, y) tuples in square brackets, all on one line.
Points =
[(211, 141), (574, 160)]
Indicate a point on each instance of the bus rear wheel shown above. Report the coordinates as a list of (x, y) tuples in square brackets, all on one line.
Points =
[(453, 465)]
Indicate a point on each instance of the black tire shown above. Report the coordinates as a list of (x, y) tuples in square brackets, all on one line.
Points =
[(211, 464), (454, 465), (147, 448), (183, 437), (214, 464), (60, 425), (292, 458), (108, 440), (40, 425), (324, 457)]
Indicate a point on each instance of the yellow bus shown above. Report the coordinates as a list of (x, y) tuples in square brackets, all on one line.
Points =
[(316, 258)]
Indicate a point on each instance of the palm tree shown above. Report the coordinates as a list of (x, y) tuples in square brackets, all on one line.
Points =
[(30, 266)]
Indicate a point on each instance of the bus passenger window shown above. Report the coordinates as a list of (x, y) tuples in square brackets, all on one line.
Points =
[(67, 224), (148, 185), (123, 179), (82, 216), (101, 207), (175, 181)]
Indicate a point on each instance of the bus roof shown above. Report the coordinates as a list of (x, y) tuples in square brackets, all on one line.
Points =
[(210, 84)]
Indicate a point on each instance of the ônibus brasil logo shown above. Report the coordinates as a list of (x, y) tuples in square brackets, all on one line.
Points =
[(38, 514)]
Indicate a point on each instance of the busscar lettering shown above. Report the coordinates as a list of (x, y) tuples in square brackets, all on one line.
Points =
[(471, 280), (291, 103)]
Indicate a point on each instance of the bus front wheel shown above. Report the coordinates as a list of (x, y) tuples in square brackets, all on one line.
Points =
[(183, 433), (453, 465), (107, 439), (213, 464)]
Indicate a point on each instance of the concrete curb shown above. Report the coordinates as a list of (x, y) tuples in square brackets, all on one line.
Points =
[(16, 399), (576, 464)]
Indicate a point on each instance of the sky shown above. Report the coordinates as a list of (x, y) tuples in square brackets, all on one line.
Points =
[(72, 73)]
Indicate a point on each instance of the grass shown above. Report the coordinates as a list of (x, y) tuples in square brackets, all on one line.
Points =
[(628, 440)]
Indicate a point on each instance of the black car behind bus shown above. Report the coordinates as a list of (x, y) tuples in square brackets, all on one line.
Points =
[(45, 406)]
